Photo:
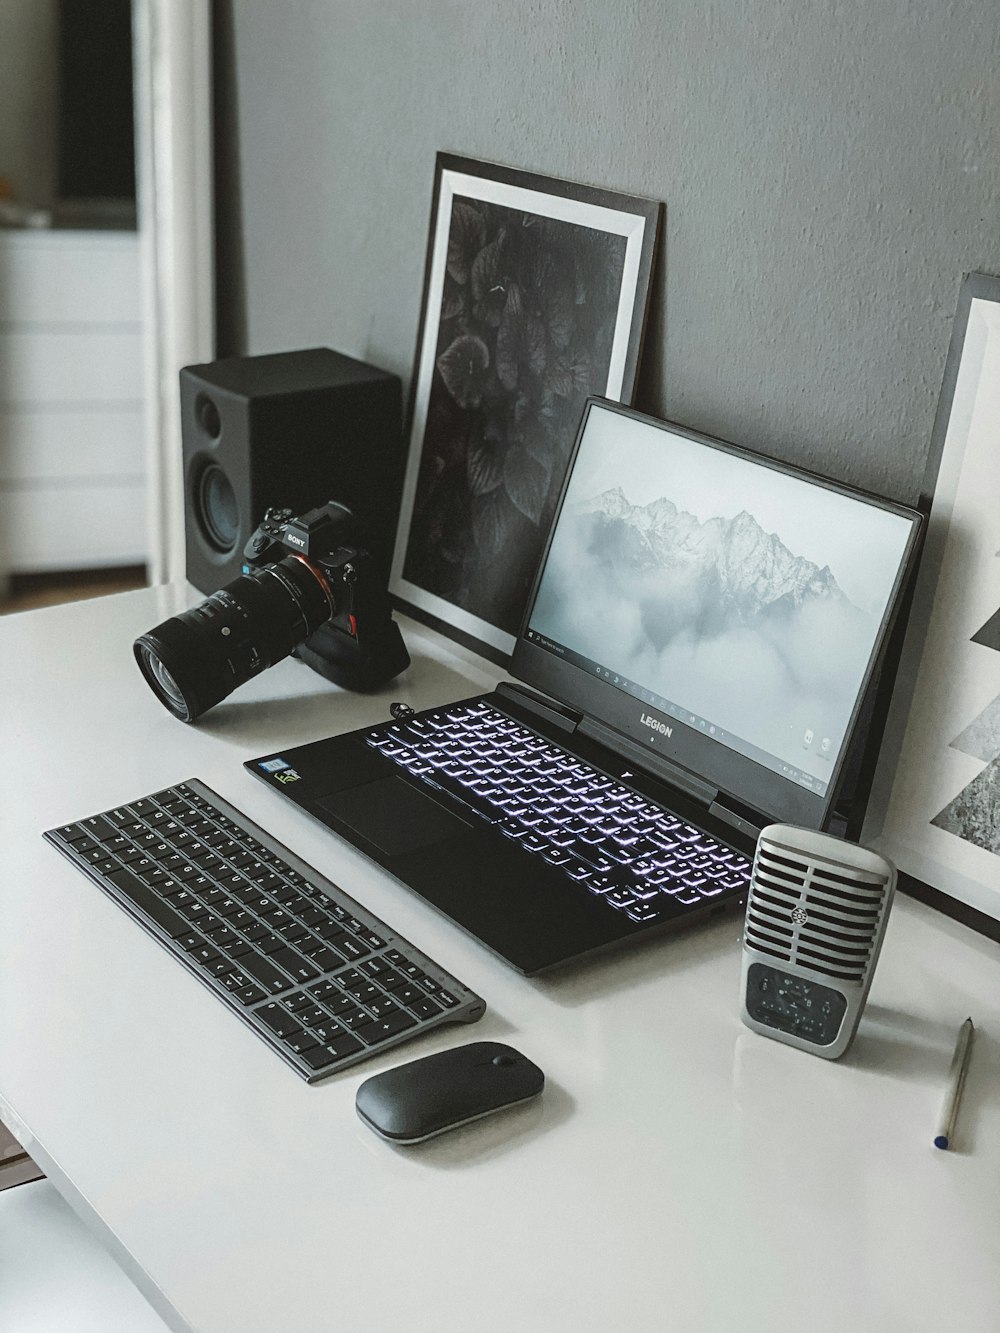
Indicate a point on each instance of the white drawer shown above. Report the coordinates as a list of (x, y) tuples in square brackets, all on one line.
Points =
[(44, 445), (73, 527), (48, 367), (70, 277)]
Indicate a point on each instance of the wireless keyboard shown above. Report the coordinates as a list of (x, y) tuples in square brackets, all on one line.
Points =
[(321, 980)]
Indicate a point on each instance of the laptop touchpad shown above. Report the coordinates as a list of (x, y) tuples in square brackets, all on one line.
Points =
[(392, 815)]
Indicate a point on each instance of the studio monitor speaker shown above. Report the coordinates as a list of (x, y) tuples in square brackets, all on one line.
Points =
[(292, 430), (816, 915)]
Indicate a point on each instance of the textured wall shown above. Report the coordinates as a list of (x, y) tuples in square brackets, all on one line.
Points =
[(830, 170)]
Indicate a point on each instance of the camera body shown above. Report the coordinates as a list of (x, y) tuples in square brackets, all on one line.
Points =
[(359, 646), (309, 588)]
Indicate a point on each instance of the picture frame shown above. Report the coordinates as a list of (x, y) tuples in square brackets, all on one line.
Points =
[(536, 295), (934, 806)]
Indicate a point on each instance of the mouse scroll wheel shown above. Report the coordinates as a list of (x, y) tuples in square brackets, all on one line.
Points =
[(503, 1060)]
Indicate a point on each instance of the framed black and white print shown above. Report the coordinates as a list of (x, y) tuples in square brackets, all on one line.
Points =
[(536, 294), (935, 802)]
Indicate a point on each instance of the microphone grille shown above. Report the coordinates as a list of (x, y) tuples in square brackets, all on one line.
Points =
[(817, 903)]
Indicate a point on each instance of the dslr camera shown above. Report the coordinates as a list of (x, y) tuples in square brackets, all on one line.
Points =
[(308, 587)]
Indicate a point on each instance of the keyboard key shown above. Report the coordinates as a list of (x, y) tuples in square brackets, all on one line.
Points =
[(349, 977), (204, 953), (263, 971), (333, 1051), (375, 967), (295, 964), (309, 1014), (323, 991), (353, 1017), (600, 883), (349, 948), (299, 1042), (324, 958), (381, 1029), (222, 936), (313, 916), (236, 980), (143, 897), (642, 912), (642, 889), (363, 990), (278, 1019), (620, 898)]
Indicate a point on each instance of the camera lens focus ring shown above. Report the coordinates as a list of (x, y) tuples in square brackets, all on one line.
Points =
[(303, 592)]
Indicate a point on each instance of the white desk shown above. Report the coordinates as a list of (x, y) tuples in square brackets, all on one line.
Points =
[(679, 1171)]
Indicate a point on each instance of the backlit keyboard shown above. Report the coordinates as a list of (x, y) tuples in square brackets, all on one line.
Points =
[(609, 839), (316, 976)]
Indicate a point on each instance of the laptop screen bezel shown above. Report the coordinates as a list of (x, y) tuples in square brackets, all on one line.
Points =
[(709, 761)]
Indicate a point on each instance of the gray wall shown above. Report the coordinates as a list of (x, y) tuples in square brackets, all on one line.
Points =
[(28, 34), (830, 170)]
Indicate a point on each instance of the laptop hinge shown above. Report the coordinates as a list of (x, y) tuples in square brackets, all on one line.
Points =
[(537, 704), (736, 818), (652, 764)]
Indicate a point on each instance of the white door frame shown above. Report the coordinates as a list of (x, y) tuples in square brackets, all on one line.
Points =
[(172, 44)]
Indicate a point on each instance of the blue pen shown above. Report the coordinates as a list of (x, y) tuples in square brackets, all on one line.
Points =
[(956, 1082)]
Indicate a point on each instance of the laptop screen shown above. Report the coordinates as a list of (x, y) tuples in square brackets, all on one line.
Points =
[(727, 595)]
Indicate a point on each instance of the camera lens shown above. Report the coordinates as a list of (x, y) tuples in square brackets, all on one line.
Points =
[(194, 660), (165, 684)]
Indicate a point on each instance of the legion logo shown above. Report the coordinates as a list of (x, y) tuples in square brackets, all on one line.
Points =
[(656, 724)]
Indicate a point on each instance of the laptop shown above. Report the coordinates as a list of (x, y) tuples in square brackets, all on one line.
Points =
[(703, 629)]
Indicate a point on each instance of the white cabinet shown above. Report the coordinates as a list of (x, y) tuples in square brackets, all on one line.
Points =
[(72, 454)]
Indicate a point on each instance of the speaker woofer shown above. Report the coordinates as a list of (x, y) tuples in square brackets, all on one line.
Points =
[(216, 509)]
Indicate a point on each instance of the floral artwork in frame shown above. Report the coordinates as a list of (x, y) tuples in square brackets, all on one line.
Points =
[(536, 296)]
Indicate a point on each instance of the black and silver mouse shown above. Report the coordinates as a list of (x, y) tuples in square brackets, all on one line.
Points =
[(416, 1101)]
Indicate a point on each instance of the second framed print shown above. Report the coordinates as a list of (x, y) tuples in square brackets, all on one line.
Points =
[(935, 802), (536, 295)]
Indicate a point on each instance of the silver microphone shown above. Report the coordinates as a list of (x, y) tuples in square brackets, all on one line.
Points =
[(816, 914)]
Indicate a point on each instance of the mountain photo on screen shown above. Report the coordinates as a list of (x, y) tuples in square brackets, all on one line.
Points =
[(706, 572)]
